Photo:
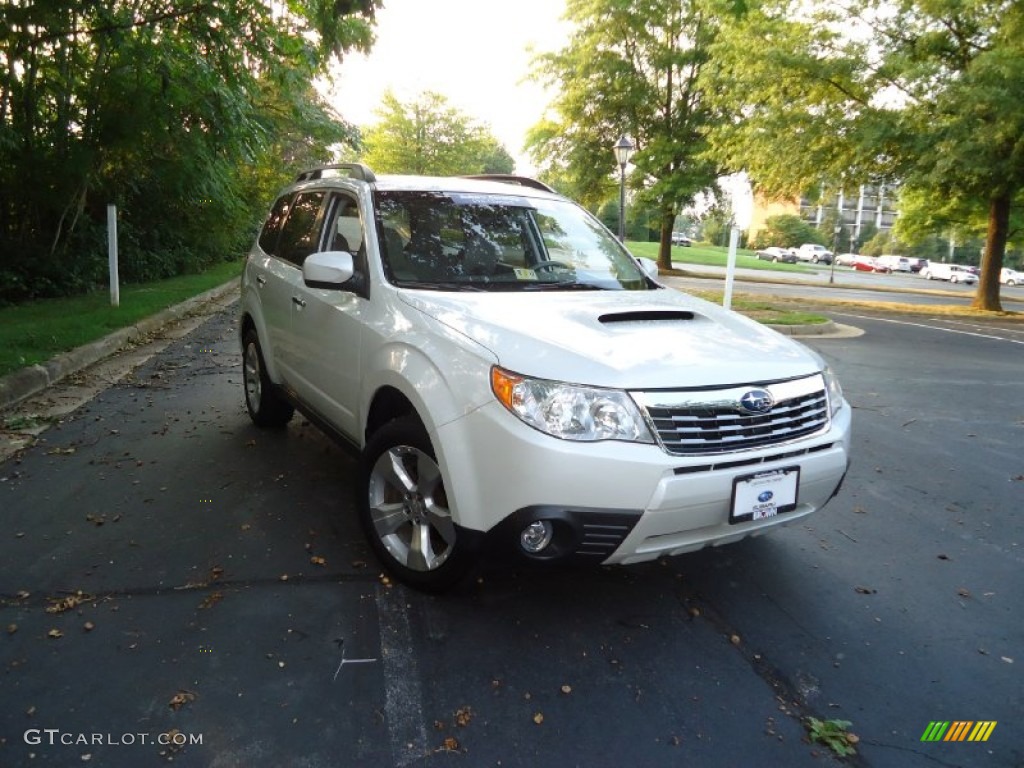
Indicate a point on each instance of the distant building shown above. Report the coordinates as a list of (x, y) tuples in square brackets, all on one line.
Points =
[(870, 204)]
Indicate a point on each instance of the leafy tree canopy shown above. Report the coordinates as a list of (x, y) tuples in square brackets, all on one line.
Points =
[(172, 111), (786, 231), (929, 94), (630, 68), (429, 136)]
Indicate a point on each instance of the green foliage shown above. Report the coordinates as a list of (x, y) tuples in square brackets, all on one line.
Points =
[(930, 94), (428, 136), (786, 231), (834, 734), (183, 115), (883, 241), (629, 68)]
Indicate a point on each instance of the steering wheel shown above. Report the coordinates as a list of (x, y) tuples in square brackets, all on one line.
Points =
[(549, 264)]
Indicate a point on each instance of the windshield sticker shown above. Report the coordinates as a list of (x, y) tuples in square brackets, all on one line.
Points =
[(525, 274)]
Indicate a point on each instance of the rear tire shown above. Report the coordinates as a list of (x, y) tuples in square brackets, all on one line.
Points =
[(404, 510), (266, 406)]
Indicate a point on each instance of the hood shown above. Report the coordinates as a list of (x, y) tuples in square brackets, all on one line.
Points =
[(660, 339)]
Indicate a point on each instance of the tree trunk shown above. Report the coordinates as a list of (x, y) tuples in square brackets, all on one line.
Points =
[(668, 218), (987, 296)]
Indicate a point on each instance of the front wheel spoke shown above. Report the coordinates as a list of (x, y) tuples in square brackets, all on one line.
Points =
[(396, 473), (441, 521), (388, 518), (421, 552)]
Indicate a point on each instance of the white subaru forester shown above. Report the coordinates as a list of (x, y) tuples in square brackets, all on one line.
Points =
[(516, 381)]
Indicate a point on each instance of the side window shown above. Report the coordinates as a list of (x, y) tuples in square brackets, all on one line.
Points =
[(345, 232), (272, 228), (300, 233)]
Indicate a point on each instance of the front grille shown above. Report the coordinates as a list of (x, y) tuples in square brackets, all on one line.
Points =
[(697, 423)]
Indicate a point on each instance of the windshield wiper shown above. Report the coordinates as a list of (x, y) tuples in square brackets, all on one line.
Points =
[(439, 286), (556, 286)]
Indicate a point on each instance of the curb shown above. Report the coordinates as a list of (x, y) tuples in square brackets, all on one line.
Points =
[(29, 381), (828, 328)]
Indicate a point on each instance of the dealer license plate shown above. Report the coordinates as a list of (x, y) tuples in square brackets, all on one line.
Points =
[(764, 494)]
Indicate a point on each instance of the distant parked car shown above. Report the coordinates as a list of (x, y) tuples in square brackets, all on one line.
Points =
[(954, 273), (870, 264), (916, 265), (1009, 276), (678, 238), (814, 253), (776, 254), (895, 263), (846, 259)]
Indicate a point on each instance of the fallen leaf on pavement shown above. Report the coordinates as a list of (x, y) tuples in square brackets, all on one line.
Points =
[(181, 698), (55, 633)]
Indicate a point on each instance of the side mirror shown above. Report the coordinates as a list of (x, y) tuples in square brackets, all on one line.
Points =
[(328, 269), (650, 266)]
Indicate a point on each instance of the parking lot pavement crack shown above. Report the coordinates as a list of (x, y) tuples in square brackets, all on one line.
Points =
[(916, 752), (40, 597), (790, 693)]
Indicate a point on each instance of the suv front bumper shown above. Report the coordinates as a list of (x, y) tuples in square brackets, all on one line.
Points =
[(614, 502)]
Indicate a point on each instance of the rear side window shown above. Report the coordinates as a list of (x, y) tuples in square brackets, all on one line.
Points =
[(272, 229), (300, 235)]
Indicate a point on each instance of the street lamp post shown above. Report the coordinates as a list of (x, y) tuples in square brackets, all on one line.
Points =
[(622, 149)]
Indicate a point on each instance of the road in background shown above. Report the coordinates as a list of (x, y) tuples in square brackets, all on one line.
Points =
[(848, 285), (169, 569)]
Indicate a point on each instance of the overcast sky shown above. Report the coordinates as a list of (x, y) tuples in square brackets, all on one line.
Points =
[(476, 53)]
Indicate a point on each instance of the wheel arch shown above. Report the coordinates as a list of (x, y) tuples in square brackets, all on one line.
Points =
[(251, 322)]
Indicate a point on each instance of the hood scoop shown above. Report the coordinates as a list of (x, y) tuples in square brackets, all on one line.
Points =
[(646, 316)]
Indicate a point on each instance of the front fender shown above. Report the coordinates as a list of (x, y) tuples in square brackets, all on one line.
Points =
[(252, 314)]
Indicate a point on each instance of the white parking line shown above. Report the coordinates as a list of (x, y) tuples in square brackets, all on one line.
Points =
[(1016, 331), (402, 688), (936, 327)]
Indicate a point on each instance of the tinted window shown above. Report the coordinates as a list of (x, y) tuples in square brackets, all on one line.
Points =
[(300, 233), (272, 229)]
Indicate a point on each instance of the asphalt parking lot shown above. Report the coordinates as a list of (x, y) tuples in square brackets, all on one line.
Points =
[(170, 573)]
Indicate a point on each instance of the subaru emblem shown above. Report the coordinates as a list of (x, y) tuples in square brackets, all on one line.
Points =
[(765, 496), (757, 401)]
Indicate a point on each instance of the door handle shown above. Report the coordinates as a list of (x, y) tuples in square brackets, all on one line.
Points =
[(298, 302), (261, 280)]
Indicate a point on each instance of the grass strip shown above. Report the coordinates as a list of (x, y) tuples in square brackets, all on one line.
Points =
[(34, 332), (713, 256)]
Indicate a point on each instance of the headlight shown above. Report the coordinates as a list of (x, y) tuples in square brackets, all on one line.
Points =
[(835, 392), (569, 411)]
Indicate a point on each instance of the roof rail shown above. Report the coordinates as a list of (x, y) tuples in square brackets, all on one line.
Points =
[(510, 178), (355, 171)]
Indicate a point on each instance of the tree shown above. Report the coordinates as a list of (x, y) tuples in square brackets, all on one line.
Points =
[(162, 108), (930, 93), (428, 136), (630, 68), (787, 231)]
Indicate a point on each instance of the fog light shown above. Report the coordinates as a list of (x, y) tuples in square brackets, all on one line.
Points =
[(536, 536)]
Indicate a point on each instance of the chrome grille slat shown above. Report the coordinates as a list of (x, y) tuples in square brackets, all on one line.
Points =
[(707, 422)]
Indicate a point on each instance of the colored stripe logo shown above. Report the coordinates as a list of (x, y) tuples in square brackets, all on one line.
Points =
[(958, 730)]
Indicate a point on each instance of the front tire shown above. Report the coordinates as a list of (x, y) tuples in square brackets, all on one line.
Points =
[(266, 406), (404, 508)]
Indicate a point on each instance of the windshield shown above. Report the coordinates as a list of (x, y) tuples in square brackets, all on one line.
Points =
[(455, 241)]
